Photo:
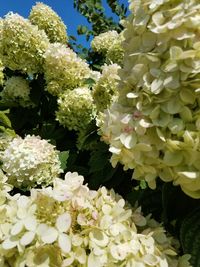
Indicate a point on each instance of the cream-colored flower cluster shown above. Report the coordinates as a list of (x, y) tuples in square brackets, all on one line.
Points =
[(17, 92), (64, 70), (5, 188), (22, 44), (115, 53), (76, 109), (154, 127), (30, 162), (46, 19), (70, 225), (109, 44), (104, 41), (105, 89), (1, 72)]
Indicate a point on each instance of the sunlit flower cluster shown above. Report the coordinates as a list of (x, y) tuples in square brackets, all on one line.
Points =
[(109, 44), (105, 90), (70, 225), (154, 127), (22, 44), (64, 70), (1, 72), (30, 162), (115, 53), (104, 41), (76, 109), (46, 19), (16, 92)]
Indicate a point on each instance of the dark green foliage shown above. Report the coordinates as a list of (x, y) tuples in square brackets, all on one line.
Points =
[(190, 236)]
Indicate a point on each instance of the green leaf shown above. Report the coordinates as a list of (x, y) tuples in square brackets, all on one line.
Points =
[(63, 156), (4, 120), (81, 29)]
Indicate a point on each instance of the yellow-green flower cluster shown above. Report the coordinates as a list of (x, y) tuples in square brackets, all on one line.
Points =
[(70, 225), (154, 127), (105, 90), (76, 109), (109, 44), (30, 162), (17, 92), (4, 189), (22, 44), (1, 72), (115, 53), (104, 41), (46, 19), (64, 70)]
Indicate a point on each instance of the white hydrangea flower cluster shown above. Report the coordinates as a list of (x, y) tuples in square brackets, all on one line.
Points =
[(17, 92), (105, 90), (22, 44), (70, 225), (46, 19), (109, 44), (64, 70), (154, 127), (76, 109), (30, 162)]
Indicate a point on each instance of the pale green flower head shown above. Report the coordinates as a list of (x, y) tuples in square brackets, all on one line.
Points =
[(46, 19), (154, 127), (115, 53), (63, 69), (4, 188), (1, 72), (25, 51), (104, 41), (30, 162), (105, 90), (81, 227), (76, 109), (17, 92)]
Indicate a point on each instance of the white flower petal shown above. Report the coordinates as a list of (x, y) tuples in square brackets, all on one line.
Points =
[(49, 236), (27, 238), (9, 244), (30, 223), (17, 228), (64, 242), (63, 222)]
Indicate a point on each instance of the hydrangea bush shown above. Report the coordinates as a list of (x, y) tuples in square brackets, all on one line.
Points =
[(52, 92)]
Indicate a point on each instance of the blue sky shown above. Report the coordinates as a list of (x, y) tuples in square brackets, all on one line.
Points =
[(64, 9)]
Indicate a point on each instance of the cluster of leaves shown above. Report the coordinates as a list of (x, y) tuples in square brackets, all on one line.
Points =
[(94, 11)]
